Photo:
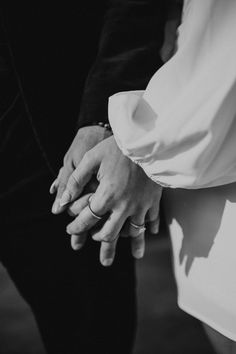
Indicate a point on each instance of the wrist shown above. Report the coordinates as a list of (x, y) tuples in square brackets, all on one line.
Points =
[(107, 128)]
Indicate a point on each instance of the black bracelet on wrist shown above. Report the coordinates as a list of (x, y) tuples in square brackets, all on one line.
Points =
[(103, 125)]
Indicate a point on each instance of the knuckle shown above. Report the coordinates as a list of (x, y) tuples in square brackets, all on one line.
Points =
[(108, 196), (132, 206), (125, 208), (73, 180), (139, 210), (81, 134), (66, 159), (87, 157)]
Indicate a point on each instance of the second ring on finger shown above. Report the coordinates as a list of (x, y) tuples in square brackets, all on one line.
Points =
[(136, 227), (136, 232)]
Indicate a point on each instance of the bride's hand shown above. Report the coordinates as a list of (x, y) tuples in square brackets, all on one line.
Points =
[(124, 191)]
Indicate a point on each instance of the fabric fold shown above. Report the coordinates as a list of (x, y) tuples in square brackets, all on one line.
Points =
[(181, 129)]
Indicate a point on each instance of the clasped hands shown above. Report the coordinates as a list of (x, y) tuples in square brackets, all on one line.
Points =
[(97, 180)]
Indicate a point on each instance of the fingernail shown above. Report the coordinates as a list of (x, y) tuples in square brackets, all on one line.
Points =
[(53, 187), (139, 254), (56, 206), (65, 198), (107, 262), (68, 230), (156, 227), (77, 246)]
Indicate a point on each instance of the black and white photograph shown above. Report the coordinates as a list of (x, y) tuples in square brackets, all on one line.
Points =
[(118, 177)]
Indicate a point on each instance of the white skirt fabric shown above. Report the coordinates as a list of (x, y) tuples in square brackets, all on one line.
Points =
[(182, 132), (202, 225)]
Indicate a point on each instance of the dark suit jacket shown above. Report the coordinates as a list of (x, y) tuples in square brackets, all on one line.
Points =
[(69, 60)]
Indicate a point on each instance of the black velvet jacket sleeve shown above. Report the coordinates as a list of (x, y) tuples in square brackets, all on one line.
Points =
[(69, 59), (128, 54)]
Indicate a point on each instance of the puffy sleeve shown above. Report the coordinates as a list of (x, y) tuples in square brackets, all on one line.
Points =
[(182, 129)]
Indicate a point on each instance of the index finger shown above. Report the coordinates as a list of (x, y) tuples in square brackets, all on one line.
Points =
[(79, 178), (60, 186)]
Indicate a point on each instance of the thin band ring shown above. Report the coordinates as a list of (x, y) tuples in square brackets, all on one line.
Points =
[(140, 228), (91, 211)]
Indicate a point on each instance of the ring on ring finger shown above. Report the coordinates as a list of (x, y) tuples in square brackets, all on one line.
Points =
[(139, 228), (98, 217)]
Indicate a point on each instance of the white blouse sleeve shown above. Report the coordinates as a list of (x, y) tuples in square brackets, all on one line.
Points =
[(182, 129)]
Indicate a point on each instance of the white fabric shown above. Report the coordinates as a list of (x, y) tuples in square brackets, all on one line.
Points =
[(183, 128), (182, 132)]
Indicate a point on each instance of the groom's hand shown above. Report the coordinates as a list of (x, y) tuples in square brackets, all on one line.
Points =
[(124, 191), (85, 139)]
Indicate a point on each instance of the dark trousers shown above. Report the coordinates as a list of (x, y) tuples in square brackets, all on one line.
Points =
[(79, 306)]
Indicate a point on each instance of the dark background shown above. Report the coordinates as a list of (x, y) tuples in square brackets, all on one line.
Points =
[(163, 328)]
